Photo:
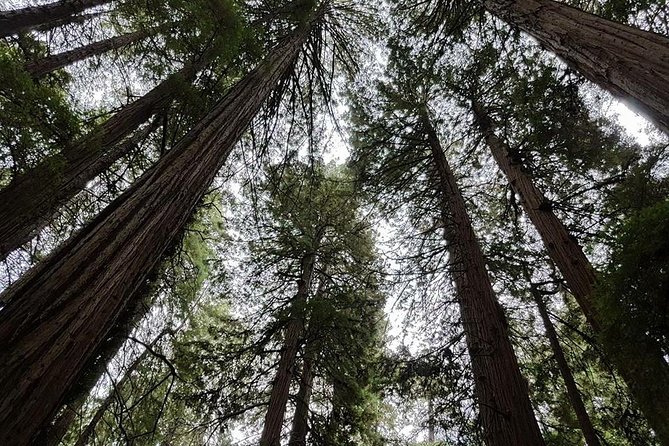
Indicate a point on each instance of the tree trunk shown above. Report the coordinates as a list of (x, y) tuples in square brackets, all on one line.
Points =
[(25, 19), (61, 310), (77, 19), (504, 405), (31, 200), (300, 427), (271, 433), (626, 61), (642, 366), (573, 394), (89, 430), (55, 432), (53, 62)]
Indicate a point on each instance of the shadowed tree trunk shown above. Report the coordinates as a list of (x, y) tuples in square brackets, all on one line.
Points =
[(573, 394), (78, 19), (61, 310), (25, 19), (53, 62), (643, 367), (276, 411), (502, 395), (300, 427), (30, 201), (89, 430), (626, 61)]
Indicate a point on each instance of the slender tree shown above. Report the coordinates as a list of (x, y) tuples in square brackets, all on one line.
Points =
[(271, 433), (300, 425), (648, 375), (53, 62), (589, 432), (57, 13), (61, 310)]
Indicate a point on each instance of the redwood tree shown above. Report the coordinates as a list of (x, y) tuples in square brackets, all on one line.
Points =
[(62, 309), (39, 68), (58, 13), (501, 391)]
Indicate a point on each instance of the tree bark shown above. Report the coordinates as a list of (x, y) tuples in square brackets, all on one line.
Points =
[(300, 427), (643, 367), (25, 19), (53, 62), (628, 62), (276, 411), (504, 405), (61, 310), (31, 200), (573, 393)]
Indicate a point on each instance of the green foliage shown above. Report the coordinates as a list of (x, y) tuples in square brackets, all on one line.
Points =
[(634, 292), (35, 117)]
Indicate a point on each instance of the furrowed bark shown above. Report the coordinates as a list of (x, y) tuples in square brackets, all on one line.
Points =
[(630, 63), (276, 411), (61, 310), (51, 63), (641, 366), (300, 427), (503, 399), (589, 432), (31, 200), (25, 19)]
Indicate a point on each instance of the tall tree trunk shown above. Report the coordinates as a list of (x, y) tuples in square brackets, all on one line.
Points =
[(642, 366), (276, 411), (628, 62), (573, 394), (25, 19), (501, 391), (89, 430), (53, 62), (300, 427), (77, 19), (61, 310), (31, 200)]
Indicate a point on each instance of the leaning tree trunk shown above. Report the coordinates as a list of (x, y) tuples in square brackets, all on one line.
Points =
[(61, 310), (628, 62), (501, 391), (300, 427), (53, 62), (25, 19), (573, 393), (31, 200), (642, 366), (89, 430), (276, 411), (72, 20)]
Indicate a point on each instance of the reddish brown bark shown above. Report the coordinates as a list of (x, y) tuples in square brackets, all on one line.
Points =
[(643, 367), (61, 310), (300, 427), (31, 200), (276, 411), (504, 405), (560, 245), (628, 62), (81, 18), (53, 62), (573, 393), (25, 19)]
